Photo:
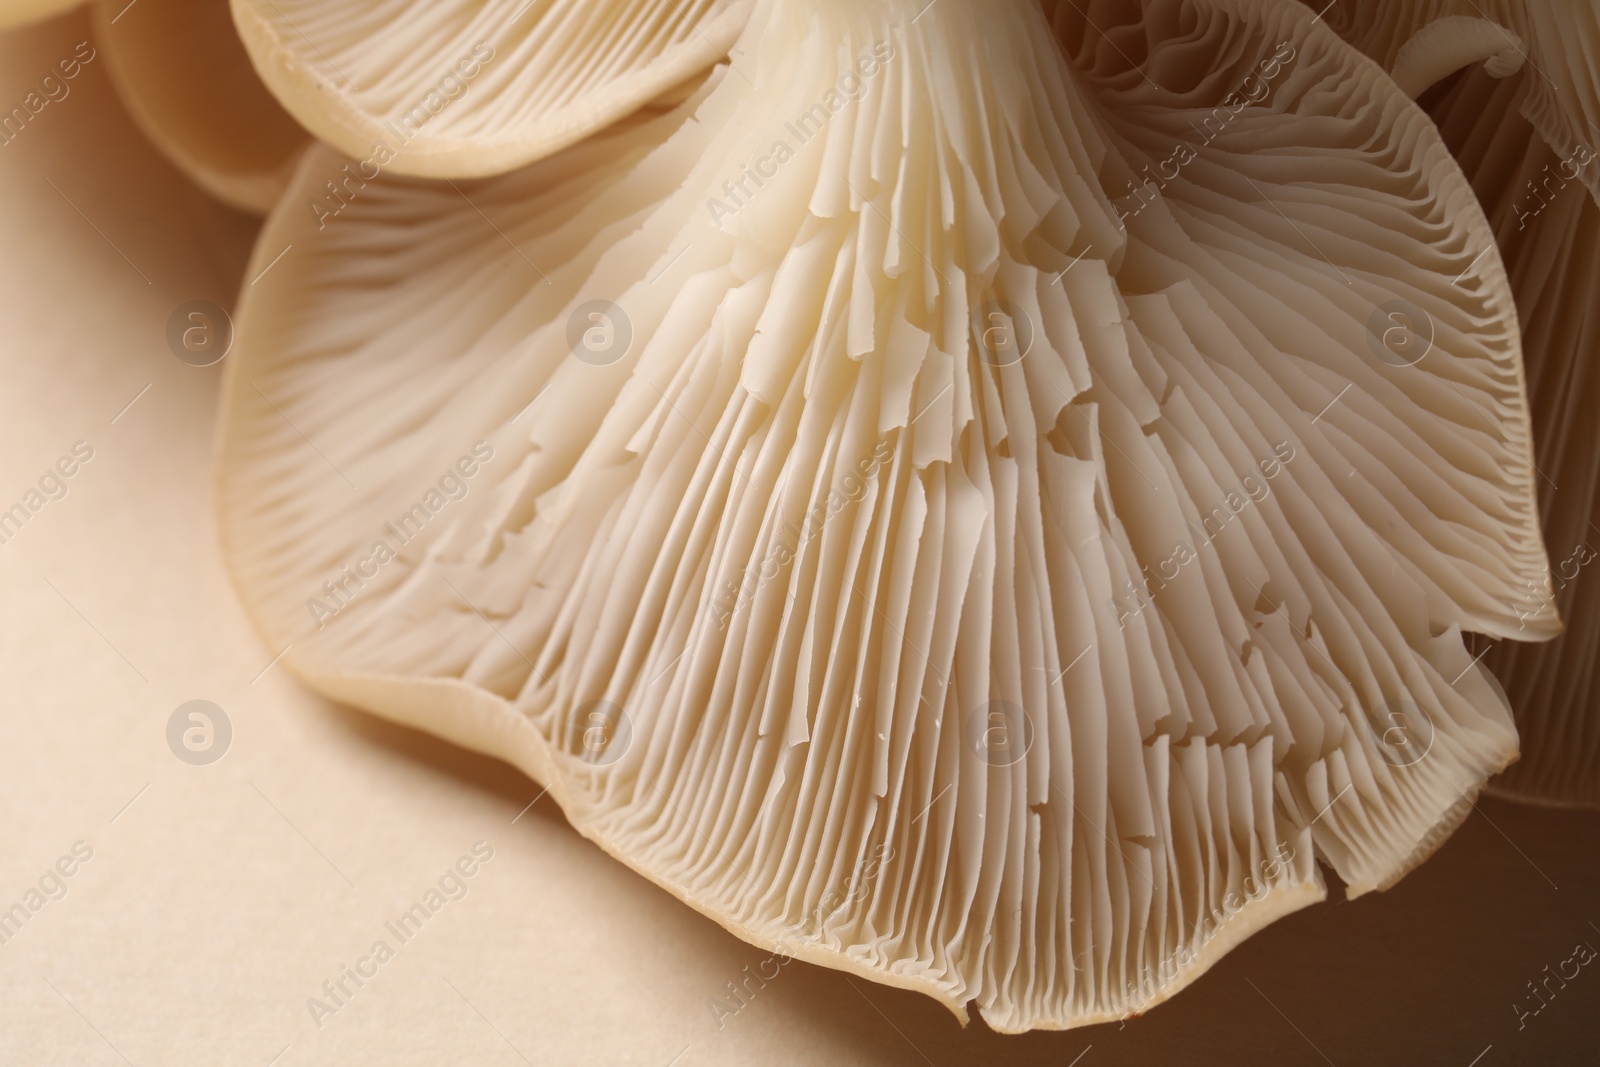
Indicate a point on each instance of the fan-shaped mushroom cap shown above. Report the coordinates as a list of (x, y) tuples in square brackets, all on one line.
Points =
[(903, 518), (451, 88), (186, 79), (1527, 140), (22, 12)]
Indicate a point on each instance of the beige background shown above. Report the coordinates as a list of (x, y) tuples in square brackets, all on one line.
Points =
[(222, 897)]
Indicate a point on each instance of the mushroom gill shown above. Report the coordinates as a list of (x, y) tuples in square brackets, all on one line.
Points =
[(1140, 401), (1554, 46), (1519, 114)]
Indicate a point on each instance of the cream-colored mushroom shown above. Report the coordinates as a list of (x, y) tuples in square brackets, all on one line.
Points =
[(455, 89), (952, 504), (184, 76)]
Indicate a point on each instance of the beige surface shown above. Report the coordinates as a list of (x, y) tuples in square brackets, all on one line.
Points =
[(224, 896)]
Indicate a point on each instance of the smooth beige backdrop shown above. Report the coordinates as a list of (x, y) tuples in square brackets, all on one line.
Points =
[(220, 898)]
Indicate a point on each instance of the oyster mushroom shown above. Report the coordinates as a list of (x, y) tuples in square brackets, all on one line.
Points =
[(946, 500), (1519, 111), (457, 89), (184, 76)]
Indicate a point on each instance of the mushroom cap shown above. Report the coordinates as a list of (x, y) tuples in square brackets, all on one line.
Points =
[(709, 469), (453, 88), (184, 76), (1520, 122)]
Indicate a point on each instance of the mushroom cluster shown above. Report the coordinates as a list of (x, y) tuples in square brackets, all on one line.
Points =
[(984, 495)]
